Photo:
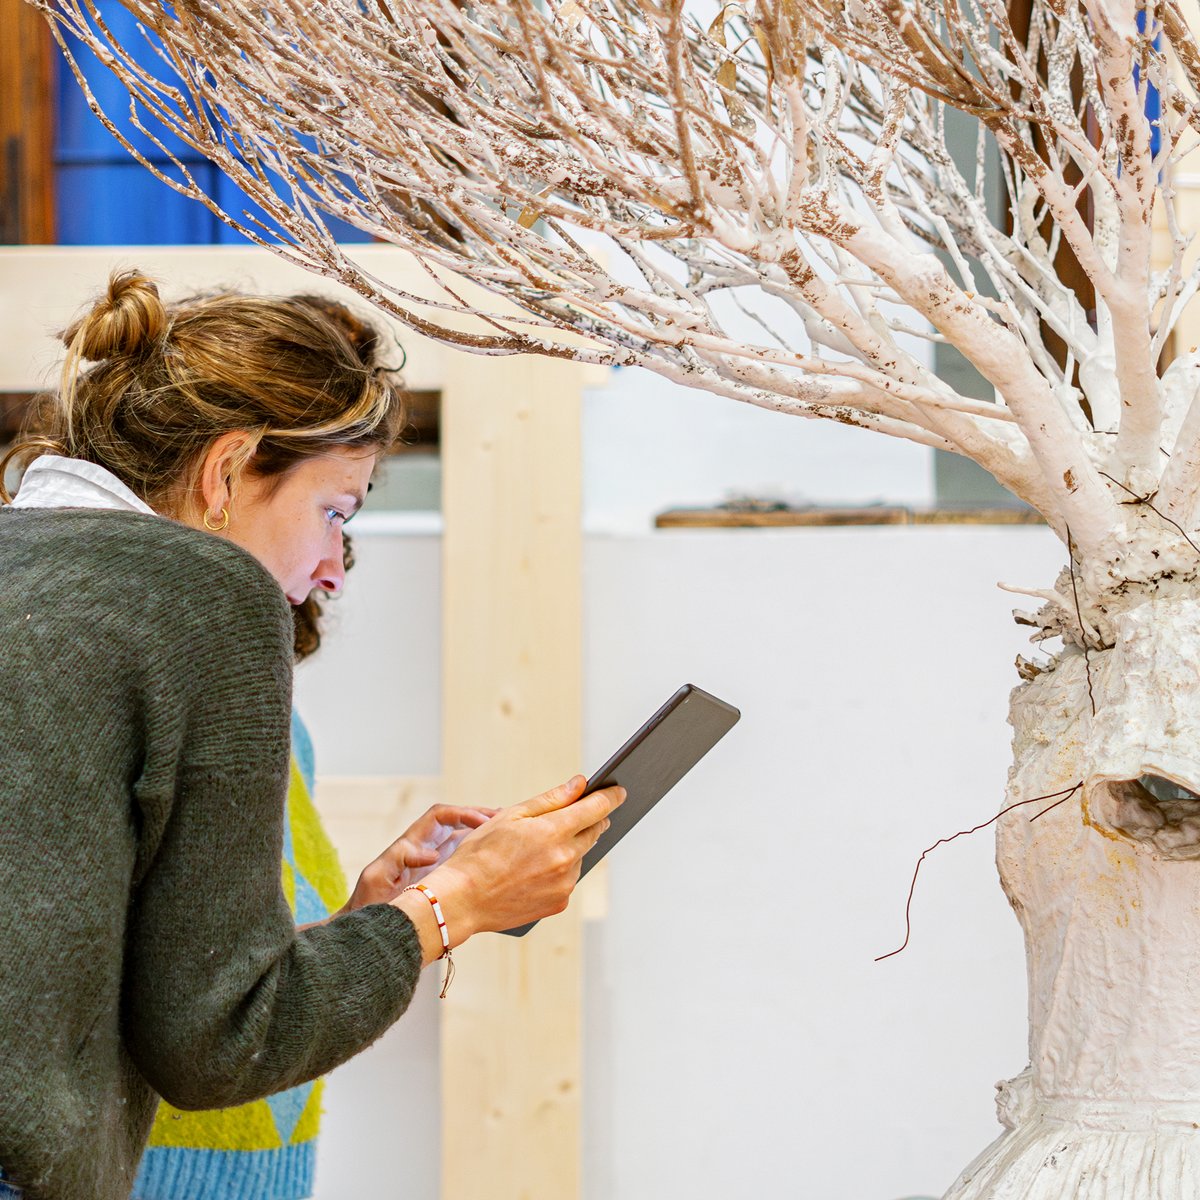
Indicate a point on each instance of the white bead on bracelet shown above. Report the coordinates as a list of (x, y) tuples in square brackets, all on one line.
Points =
[(441, 924)]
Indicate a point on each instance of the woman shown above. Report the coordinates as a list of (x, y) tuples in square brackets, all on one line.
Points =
[(145, 673), (264, 1150), (267, 1149)]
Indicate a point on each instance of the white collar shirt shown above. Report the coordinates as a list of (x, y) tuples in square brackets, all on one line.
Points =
[(52, 481)]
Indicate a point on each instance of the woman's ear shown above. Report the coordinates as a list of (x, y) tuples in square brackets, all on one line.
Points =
[(219, 471)]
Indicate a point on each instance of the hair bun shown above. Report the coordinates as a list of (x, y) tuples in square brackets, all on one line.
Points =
[(125, 321)]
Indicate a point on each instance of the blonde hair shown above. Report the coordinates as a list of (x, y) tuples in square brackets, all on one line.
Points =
[(298, 374)]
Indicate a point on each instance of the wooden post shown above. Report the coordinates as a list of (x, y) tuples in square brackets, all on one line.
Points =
[(511, 728), (26, 126)]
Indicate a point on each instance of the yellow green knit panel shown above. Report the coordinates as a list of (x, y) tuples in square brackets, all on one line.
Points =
[(246, 1127), (315, 858), (313, 882), (288, 883), (310, 1119)]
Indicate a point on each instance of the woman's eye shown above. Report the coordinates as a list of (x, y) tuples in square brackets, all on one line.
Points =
[(333, 515)]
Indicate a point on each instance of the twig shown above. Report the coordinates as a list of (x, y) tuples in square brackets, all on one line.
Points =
[(1051, 596), (1066, 794)]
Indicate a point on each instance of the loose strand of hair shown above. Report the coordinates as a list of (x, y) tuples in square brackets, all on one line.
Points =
[(25, 448)]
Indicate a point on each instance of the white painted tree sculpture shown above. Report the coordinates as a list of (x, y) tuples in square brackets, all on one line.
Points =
[(659, 184)]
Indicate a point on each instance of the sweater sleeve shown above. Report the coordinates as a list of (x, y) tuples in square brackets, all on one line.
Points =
[(224, 1001)]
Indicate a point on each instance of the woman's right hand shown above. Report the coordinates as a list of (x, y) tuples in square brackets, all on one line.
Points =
[(519, 866)]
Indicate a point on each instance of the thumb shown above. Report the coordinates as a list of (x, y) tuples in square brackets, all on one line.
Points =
[(558, 797)]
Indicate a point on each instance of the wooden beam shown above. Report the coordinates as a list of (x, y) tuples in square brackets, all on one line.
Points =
[(511, 728), (778, 518), (26, 126), (363, 814)]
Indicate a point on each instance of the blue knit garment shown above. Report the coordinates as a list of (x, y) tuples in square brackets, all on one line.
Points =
[(199, 1163)]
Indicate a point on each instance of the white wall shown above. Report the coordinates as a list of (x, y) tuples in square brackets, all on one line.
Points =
[(372, 696), (740, 1038), (650, 445)]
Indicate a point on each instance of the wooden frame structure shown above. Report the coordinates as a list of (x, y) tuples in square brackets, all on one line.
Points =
[(26, 125), (510, 1028)]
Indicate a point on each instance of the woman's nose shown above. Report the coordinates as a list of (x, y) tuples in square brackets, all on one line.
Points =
[(331, 570)]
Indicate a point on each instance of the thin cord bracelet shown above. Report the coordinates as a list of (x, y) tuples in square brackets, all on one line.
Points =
[(441, 924)]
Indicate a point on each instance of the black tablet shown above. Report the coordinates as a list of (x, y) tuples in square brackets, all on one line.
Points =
[(653, 761)]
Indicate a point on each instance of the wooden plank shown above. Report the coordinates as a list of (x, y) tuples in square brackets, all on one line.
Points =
[(511, 694), (41, 288), (725, 518), (364, 814), (977, 516), (26, 126), (739, 518)]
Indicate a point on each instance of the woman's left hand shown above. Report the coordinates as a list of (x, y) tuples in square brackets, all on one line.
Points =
[(429, 841)]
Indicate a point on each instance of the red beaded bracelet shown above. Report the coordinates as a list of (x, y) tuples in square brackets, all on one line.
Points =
[(441, 924)]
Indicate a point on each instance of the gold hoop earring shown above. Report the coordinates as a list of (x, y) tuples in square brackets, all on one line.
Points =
[(217, 528)]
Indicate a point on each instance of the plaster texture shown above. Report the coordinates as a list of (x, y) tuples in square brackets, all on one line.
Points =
[(1107, 890)]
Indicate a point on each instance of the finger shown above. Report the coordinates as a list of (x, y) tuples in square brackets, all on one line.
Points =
[(397, 852), (453, 815), (386, 872), (436, 823), (451, 844), (590, 836), (593, 808), (454, 829), (451, 835), (556, 798), (447, 837)]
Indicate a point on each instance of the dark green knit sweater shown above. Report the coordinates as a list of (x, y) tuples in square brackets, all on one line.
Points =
[(145, 946)]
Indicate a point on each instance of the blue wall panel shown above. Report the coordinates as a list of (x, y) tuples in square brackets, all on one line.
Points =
[(121, 203), (105, 197)]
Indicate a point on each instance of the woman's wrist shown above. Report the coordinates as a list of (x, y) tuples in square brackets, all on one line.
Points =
[(453, 891), (444, 887), (420, 913), (429, 948)]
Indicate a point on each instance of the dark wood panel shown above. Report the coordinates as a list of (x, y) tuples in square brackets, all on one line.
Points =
[(1067, 267), (421, 434), (13, 407), (26, 126), (422, 429)]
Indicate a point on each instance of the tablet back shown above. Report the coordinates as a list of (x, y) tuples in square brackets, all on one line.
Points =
[(653, 761)]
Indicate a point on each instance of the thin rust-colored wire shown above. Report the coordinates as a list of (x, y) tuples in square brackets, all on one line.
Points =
[(1087, 658), (1065, 795), (1146, 501)]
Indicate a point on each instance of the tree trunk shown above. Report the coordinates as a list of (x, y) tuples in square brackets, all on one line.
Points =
[(1107, 889)]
